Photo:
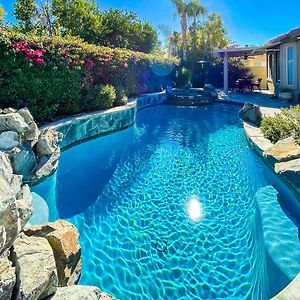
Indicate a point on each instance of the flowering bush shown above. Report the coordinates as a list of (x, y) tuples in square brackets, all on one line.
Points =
[(57, 77)]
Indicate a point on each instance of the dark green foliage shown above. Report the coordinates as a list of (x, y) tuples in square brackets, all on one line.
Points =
[(183, 77), (123, 29), (25, 11), (55, 77), (80, 18), (284, 125), (105, 97)]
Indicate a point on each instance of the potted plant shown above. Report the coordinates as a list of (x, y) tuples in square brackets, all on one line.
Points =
[(286, 94)]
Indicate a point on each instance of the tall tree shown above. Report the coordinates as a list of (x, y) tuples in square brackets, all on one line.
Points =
[(78, 18), (45, 17), (25, 12), (182, 10), (195, 10), (124, 29)]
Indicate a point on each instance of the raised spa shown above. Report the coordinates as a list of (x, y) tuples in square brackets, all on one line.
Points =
[(177, 207)]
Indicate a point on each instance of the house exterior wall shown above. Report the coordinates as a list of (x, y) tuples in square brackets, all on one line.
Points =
[(298, 65), (284, 72), (258, 67), (271, 71), (284, 68)]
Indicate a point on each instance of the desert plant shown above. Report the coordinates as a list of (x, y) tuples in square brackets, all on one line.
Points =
[(284, 125)]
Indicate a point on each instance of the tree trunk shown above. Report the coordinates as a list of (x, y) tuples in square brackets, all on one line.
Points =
[(184, 37)]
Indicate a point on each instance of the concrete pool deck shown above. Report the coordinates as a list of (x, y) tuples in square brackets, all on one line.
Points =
[(260, 98)]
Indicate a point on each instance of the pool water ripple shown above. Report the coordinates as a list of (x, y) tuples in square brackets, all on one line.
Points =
[(138, 239)]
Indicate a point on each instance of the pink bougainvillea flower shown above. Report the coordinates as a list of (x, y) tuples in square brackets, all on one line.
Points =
[(20, 46), (88, 65), (29, 54), (38, 52), (38, 61), (65, 54)]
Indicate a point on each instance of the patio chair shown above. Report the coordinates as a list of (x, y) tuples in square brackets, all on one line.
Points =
[(257, 84)]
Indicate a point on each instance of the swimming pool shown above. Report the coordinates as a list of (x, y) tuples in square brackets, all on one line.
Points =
[(166, 209)]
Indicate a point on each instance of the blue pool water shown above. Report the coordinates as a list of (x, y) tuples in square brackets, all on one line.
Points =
[(166, 209)]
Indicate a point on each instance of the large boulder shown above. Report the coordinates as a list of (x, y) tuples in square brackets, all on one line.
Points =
[(47, 164), (78, 292), (6, 170), (251, 113), (26, 115), (13, 121), (10, 186), (64, 240), (23, 161), (9, 217), (48, 142), (32, 135), (2, 239), (9, 140), (35, 266), (284, 150), (7, 278), (24, 205)]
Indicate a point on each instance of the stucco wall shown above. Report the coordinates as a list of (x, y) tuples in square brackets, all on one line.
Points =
[(258, 67)]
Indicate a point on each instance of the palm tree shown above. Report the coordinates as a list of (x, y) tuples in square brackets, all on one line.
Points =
[(182, 11), (195, 10), (192, 9)]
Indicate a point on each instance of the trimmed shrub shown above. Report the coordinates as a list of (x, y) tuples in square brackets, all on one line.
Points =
[(284, 125), (105, 97), (56, 76)]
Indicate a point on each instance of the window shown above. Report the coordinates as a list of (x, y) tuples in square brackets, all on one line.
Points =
[(290, 65)]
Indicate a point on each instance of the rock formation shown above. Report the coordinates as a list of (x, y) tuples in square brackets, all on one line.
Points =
[(42, 261), (33, 154), (251, 113)]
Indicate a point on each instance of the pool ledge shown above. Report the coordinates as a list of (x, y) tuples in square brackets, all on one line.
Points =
[(291, 292), (79, 128), (287, 167), (289, 171)]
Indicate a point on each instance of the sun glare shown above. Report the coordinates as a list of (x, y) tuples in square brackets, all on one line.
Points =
[(195, 209)]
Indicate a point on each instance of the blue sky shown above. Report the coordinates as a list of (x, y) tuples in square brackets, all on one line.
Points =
[(248, 22)]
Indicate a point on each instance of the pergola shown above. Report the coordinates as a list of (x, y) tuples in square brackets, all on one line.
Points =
[(236, 52)]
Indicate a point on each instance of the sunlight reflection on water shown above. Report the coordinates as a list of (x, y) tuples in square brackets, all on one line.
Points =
[(195, 209)]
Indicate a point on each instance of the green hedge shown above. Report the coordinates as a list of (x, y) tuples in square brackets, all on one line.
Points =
[(55, 77), (284, 125)]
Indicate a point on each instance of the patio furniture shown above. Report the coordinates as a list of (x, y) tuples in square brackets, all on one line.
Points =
[(243, 85), (257, 84)]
